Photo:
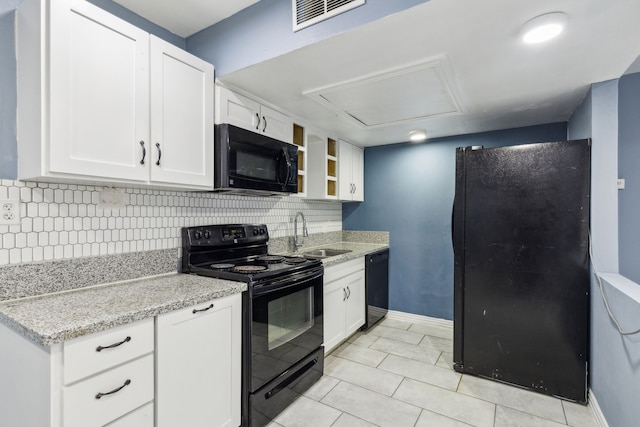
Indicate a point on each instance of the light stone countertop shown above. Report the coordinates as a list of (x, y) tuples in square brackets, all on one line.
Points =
[(54, 318)]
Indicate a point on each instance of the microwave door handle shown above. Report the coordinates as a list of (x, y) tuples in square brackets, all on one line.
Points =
[(287, 162)]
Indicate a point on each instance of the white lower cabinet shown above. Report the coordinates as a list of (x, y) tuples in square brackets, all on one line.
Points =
[(182, 370), (344, 301), (198, 365), (111, 378)]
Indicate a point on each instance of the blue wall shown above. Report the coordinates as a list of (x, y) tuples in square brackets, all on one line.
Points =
[(409, 191), (629, 169), (264, 31), (8, 101), (615, 359)]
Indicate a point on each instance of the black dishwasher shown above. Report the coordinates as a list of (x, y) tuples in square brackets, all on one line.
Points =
[(377, 287)]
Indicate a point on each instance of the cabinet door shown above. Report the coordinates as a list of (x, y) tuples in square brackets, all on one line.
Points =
[(357, 173), (355, 303), (181, 117), (198, 365), (334, 313), (236, 109), (275, 124), (99, 93)]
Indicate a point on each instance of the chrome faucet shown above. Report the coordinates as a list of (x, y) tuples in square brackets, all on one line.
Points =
[(296, 240)]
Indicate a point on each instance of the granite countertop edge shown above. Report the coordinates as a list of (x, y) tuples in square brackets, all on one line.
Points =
[(47, 319)]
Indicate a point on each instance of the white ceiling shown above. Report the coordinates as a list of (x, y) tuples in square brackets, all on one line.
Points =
[(185, 17), (492, 81)]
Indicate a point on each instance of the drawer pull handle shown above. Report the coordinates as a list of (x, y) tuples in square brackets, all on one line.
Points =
[(100, 348), (202, 309), (126, 383)]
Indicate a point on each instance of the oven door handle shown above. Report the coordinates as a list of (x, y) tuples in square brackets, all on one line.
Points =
[(286, 282), (277, 389)]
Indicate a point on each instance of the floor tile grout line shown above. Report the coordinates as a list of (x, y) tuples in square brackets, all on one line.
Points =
[(509, 406)]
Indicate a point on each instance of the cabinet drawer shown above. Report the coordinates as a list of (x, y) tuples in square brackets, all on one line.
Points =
[(141, 417), (83, 408), (343, 269), (82, 358)]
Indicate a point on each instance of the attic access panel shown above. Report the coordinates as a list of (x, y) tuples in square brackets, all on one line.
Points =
[(309, 12), (412, 93)]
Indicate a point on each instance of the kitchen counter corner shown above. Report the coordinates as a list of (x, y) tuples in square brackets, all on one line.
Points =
[(53, 318)]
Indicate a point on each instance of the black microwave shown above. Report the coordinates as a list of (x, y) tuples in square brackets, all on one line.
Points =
[(249, 162)]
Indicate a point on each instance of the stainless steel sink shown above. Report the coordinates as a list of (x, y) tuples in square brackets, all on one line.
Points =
[(324, 253)]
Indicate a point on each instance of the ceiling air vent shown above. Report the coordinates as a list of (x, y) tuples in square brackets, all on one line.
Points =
[(309, 12)]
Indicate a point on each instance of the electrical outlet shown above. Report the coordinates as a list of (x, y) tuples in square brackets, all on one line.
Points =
[(9, 212)]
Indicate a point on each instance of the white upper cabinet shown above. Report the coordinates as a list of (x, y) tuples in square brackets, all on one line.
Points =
[(181, 116), (96, 94), (350, 172), (247, 113)]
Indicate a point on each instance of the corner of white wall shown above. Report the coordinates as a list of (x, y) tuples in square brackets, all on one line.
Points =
[(604, 176)]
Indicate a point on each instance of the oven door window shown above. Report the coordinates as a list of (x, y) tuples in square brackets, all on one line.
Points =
[(286, 326), (289, 317)]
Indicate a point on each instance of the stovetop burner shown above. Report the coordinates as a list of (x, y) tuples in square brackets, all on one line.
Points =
[(295, 260), (249, 268), (271, 259), (222, 266)]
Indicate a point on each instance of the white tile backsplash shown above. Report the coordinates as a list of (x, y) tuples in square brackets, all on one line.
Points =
[(62, 221)]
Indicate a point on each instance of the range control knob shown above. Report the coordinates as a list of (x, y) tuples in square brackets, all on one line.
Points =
[(262, 231), (256, 231), (207, 234), (197, 235)]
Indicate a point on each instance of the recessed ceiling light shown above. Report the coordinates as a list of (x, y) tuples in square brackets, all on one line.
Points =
[(417, 135), (543, 27)]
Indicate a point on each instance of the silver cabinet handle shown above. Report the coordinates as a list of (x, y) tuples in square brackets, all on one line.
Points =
[(258, 124), (348, 292), (264, 128), (344, 293)]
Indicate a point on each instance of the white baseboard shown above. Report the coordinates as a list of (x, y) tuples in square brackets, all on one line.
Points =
[(601, 421), (417, 318)]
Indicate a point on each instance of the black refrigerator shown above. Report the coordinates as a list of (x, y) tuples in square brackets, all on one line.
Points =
[(520, 231)]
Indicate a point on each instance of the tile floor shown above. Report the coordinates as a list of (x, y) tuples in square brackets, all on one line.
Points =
[(399, 374)]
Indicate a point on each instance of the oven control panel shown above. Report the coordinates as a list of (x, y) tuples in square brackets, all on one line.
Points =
[(224, 235)]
